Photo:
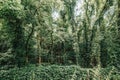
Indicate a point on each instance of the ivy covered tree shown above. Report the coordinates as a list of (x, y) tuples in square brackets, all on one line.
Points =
[(12, 13)]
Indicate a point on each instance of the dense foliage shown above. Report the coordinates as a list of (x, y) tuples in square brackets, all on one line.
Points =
[(54, 72), (85, 33)]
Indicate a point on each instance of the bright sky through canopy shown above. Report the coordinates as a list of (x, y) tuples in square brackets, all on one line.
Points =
[(78, 10)]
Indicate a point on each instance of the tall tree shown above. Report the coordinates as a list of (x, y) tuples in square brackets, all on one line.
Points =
[(12, 12)]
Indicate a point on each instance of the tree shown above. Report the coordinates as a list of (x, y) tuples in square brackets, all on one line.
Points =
[(12, 12)]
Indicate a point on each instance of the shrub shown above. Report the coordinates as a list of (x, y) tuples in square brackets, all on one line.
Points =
[(55, 72)]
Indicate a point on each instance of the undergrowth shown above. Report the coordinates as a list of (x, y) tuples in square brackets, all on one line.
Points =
[(55, 72)]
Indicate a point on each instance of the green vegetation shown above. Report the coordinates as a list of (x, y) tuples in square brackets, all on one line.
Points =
[(43, 39), (54, 72)]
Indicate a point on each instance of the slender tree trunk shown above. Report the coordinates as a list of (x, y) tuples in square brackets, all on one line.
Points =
[(27, 44), (39, 48), (51, 49)]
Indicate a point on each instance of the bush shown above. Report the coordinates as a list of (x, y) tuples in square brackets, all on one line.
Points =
[(55, 72)]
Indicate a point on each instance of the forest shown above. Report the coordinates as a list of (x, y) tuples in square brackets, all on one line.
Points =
[(59, 40)]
